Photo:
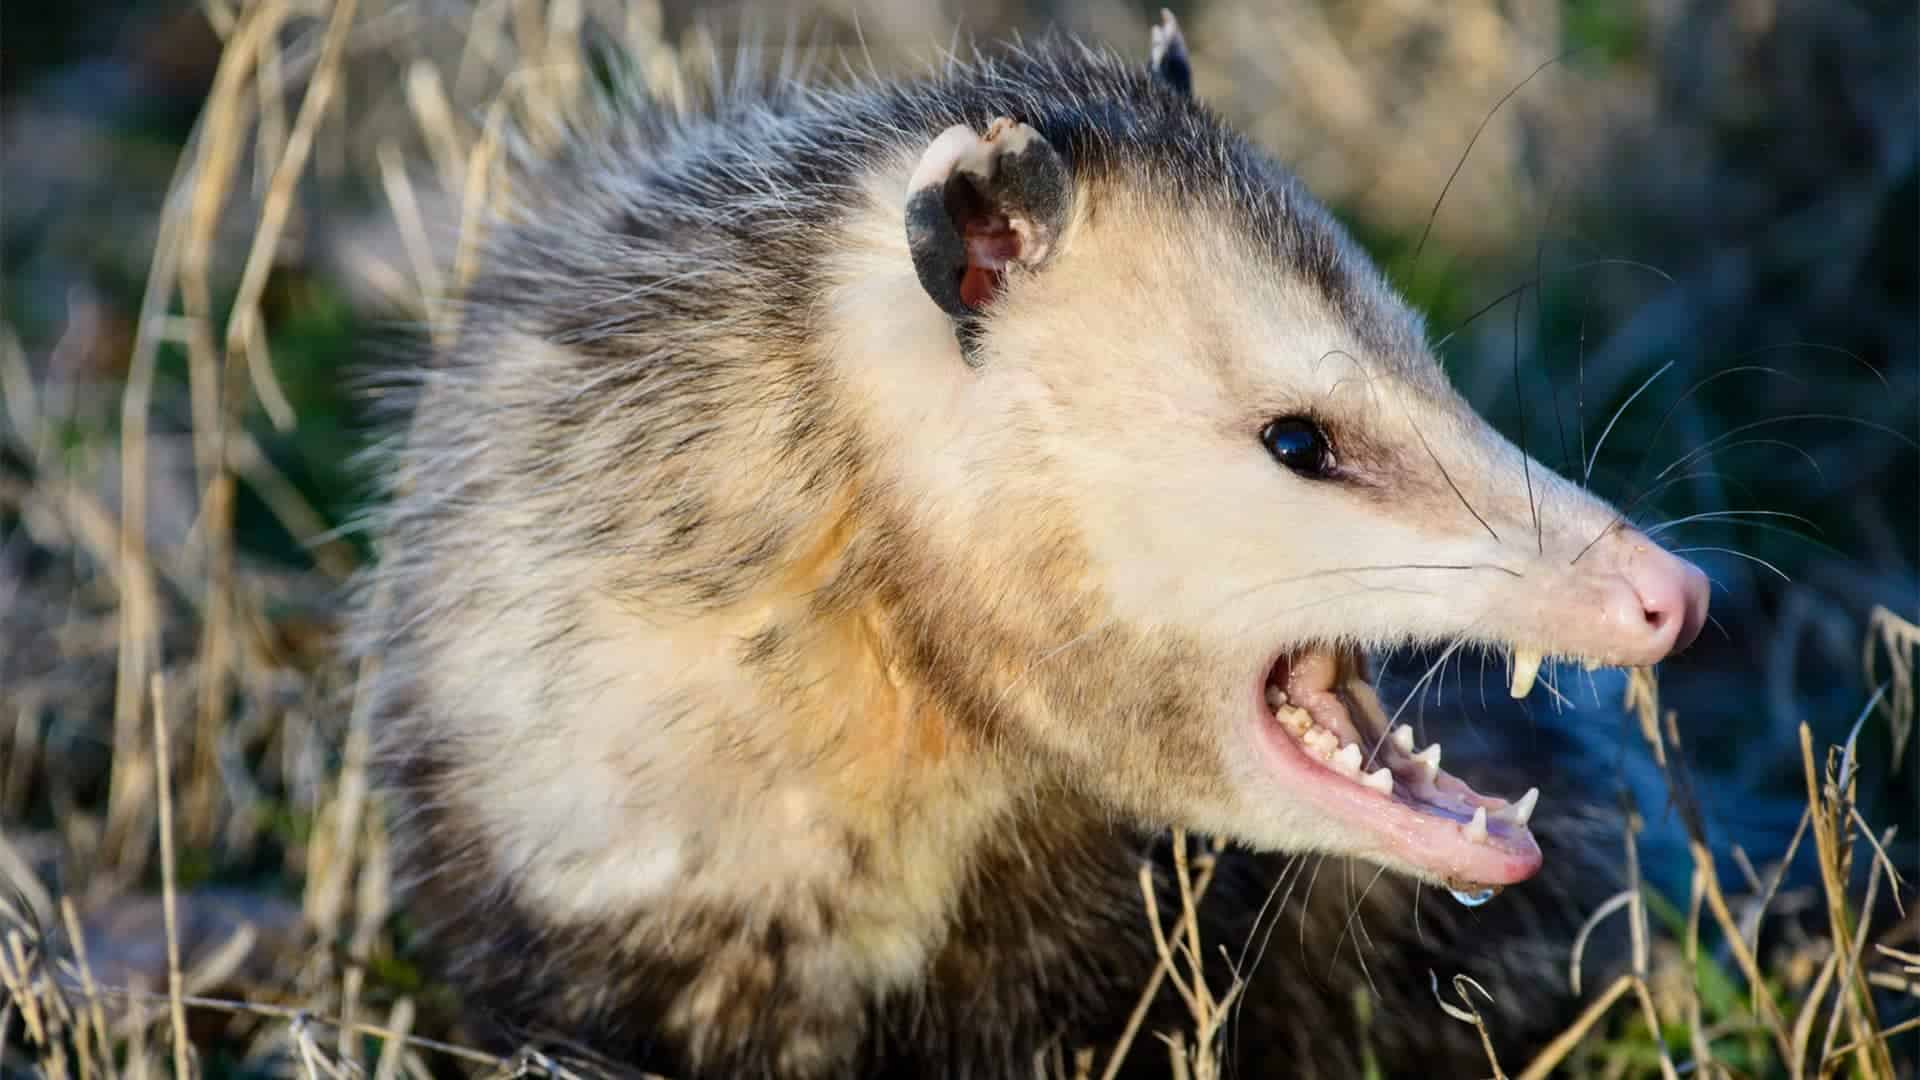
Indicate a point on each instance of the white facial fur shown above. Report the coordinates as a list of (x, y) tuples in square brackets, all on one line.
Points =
[(1122, 389)]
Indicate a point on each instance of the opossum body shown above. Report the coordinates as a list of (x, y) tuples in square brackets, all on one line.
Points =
[(851, 523)]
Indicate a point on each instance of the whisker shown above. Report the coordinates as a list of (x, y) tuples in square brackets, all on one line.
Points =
[(1580, 392), (1374, 754), (1353, 912), (1768, 527), (1289, 871), (1570, 268), (1540, 313), (1618, 413), (1464, 154), (1553, 689), (1699, 385), (1424, 679), (1458, 494), (1625, 513), (1755, 425), (1737, 554), (1731, 515), (1818, 346), (1520, 405), (1721, 475), (1778, 443)]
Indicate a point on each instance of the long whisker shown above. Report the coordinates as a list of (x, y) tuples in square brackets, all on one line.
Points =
[(1730, 515), (1520, 404), (1755, 425), (1424, 679), (1778, 443), (1373, 754), (1580, 391), (1617, 414), (1292, 870), (1458, 494), (1818, 346), (1563, 271), (1736, 554), (1625, 513), (1768, 527), (1699, 385), (1306, 901), (1353, 912), (1464, 154), (1540, 314)]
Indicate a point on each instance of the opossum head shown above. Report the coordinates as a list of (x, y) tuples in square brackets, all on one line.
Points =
[(1199, 461)]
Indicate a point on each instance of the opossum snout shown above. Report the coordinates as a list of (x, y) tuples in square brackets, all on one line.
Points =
[(1664, 602)]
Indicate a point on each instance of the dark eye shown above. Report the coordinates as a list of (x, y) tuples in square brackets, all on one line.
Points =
[(1299, 444)]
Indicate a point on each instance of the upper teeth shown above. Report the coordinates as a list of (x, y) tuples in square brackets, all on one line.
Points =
[(1402, 736), (1526, 666)]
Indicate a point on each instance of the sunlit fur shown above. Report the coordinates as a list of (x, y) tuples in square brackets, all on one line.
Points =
[(763, 687)]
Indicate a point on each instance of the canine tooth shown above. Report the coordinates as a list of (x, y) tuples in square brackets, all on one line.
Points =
[(1523, 810), (1380, 780), (1402, 737), (1526, 665), (1348, 759), (1276, 697), (1477, 828)]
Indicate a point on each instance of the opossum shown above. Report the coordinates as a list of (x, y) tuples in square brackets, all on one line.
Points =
[(851, 522)]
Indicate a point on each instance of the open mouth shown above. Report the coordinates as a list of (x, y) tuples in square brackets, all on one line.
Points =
[(1326, 730)]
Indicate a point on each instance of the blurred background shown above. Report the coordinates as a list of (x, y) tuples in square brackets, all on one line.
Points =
[(1673, 245)]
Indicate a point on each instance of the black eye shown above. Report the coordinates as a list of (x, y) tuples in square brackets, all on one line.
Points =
[(1299, 444)]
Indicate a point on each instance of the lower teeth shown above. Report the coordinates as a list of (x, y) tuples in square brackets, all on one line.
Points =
[(1348, 760)]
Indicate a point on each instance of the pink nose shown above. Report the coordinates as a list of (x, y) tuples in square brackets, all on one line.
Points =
[(1673, 595)]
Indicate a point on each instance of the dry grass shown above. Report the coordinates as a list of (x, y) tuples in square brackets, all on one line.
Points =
[(224, 721)]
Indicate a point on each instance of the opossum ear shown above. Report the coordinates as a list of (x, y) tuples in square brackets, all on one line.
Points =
[(978, 204), (1168, 55)]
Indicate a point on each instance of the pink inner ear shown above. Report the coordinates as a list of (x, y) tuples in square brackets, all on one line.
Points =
[(991, 244)]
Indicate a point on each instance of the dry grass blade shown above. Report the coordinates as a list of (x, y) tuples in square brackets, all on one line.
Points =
[(1468, 1013), (244, 321), (169, 903), (1613, 903), (1644, 701), (427, 97), (1208, 1013), (1900, 640), (96, 1014), (1564, 1043), (1832, 836)]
